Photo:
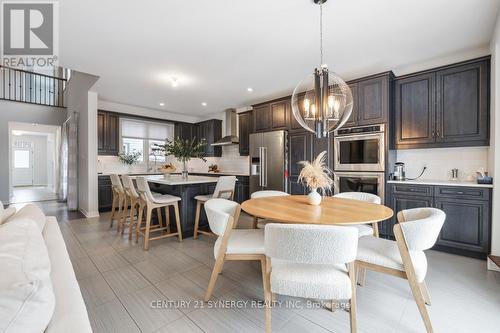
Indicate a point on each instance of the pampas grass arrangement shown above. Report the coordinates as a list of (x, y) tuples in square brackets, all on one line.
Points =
[(316, 175)]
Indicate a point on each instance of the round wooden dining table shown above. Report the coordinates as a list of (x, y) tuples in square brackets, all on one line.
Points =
[(295, 209)]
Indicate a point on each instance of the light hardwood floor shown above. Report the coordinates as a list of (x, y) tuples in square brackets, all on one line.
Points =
[(119, 282)]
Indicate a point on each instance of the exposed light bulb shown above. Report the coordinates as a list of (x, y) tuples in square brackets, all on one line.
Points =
[(313, 110), (307, 104)]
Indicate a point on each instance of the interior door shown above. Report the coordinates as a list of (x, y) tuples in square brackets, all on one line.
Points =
[(23, 167)]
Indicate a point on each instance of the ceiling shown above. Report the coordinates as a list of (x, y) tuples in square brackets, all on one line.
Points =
[(217, 49)]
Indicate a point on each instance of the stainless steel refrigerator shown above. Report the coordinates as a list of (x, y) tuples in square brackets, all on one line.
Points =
[(268, 161)]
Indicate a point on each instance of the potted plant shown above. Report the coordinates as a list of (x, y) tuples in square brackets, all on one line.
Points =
[(129, 158), (316, 175), (183, 150)]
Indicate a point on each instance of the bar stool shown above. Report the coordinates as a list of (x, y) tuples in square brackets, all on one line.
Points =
[(132, 201), (224, 189), (150, 201), (118, 200)]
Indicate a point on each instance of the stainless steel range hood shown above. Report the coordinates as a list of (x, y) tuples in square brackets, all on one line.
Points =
[(231, 137)]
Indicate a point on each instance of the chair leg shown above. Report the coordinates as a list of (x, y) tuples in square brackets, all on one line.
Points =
[(160, 217), (352, 302), (178, 221), (148, 227), (131, 224), (419, 299), (213, 278), (375, 229), (139, 223), (425, 293), (119, 214), (124, 215), (361, 276), (255, 222), (197, 219), (268, 295), (167, 218), (113, 209)]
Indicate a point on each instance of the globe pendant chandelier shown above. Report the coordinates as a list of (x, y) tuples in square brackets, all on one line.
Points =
[(322, 102)]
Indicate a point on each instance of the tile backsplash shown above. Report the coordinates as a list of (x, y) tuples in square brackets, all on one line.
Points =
[(230, 161), (440, 161)]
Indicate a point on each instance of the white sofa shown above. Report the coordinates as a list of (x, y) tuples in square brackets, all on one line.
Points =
[(70, 313)]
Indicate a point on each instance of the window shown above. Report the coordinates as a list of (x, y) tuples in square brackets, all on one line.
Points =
[(22, 159), (141, 136)]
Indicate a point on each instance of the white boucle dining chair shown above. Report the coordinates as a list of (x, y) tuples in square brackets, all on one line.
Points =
[(118, 205), (224, 189), (416, 231), (264, 194), (231, 244), (311, 261), (150, 201), (363, 229)]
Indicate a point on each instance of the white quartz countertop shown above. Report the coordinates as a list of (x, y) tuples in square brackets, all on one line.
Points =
[(440, 182), (177, 180)]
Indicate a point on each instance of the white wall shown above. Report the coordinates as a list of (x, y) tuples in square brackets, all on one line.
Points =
[(495, 140), (440, 161), (85, 105)]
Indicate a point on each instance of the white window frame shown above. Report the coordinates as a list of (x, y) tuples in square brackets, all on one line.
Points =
[(146, 140)]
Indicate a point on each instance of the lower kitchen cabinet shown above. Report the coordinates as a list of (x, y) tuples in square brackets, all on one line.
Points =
[(104, 193), (467, 228)]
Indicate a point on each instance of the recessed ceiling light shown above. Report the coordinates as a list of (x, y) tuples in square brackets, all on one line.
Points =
[(162, 104), (175, 83), (203, 103), (250, 89)]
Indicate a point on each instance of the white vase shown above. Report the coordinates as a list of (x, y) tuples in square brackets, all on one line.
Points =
[(314, 198)]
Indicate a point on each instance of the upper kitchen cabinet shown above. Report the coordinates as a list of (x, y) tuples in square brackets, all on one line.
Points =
[(371, 100), (293, 123), (245, 127), (185, 131), (279, 115), (462, 110), (415, 110), (262, 118), (107, 133), (444, 107), (211, 130)]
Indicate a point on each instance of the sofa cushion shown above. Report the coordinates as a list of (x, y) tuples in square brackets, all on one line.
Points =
[(70, 314), (26, 296), (32, 212), (5, 214)]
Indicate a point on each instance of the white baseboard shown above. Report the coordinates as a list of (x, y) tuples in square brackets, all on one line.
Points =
[(89, 214), (492, 266)]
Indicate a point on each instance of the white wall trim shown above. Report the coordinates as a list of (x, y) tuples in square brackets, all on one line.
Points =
[(89, 214), (492, 266)]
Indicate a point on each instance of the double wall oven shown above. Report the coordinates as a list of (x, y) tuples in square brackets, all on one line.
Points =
[(359, 160)]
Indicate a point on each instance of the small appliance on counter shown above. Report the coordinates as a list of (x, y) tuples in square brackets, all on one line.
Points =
[(399, 171), (483, 178), (213, 168)]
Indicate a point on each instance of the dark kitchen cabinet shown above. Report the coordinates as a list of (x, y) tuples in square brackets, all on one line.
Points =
[(371, 100), (293, 123), (299, 149), (463, 105), (353, 119), (107, 133), (242, 189), (444, 107), (211, 131), (467, 227), (104, 193), (415, 110), (279, 115), (185, 131), (245, 127), (262, 118)]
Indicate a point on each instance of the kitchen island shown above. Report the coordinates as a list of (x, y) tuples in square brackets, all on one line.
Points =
[(186, 189)]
